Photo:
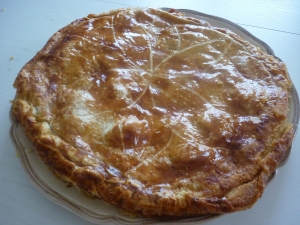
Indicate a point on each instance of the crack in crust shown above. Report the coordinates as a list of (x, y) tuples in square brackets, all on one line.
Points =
[(159, 114)]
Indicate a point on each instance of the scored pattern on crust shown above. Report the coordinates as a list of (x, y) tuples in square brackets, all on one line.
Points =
[(157, 113)]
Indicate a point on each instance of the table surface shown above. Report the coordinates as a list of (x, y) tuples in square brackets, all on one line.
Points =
[(25, 26)]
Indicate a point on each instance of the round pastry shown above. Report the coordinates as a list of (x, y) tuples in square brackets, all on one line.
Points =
[(157, 113)]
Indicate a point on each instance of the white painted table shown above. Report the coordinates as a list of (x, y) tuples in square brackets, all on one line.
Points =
[(25, 26)]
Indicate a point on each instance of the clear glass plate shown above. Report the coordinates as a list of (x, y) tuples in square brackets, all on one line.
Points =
[(96, 210)]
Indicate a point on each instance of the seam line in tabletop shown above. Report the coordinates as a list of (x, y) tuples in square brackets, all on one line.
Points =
[(282, 31)]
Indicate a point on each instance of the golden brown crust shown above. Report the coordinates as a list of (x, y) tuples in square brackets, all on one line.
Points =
[(157, 113)]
